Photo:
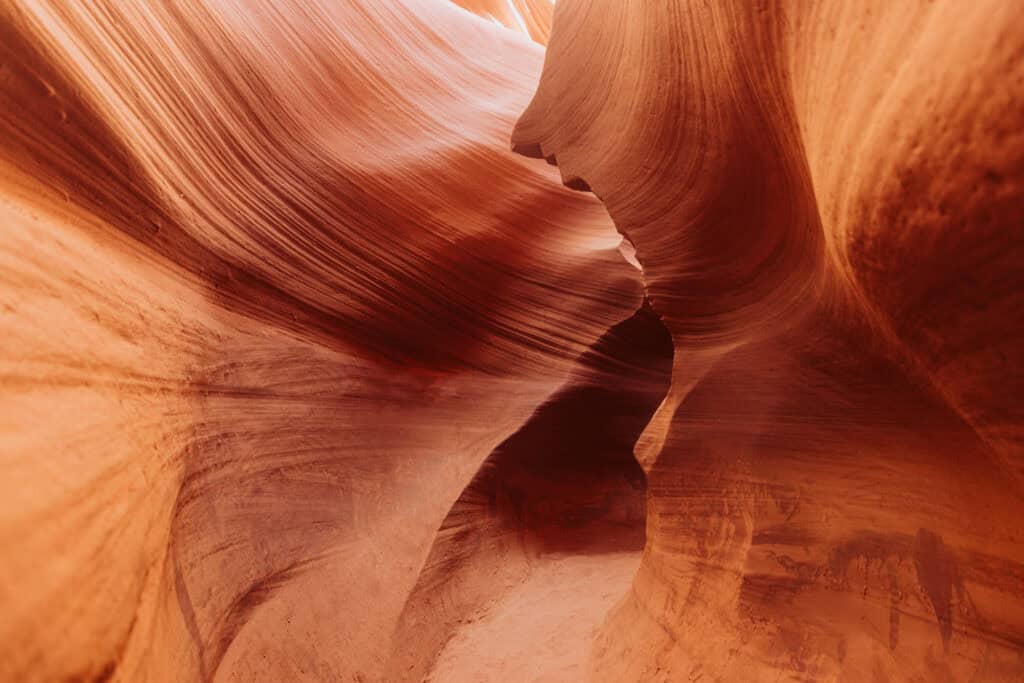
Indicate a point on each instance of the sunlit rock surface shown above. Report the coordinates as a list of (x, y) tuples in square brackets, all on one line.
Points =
[(529, 16), (306, 374)]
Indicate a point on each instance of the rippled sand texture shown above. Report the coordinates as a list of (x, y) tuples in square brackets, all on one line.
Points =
[(307, 373)]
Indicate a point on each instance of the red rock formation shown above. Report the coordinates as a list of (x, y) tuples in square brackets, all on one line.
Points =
[(304, 375), (826, 202), (273, 288), (565, 484)]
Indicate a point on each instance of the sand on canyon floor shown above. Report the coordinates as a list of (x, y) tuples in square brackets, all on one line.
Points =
[(542, 629)]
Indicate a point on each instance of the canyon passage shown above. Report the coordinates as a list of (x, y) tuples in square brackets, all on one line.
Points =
[(511, 340)]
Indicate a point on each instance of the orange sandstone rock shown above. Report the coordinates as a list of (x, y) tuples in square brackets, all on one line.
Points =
[(273, 288), (825, 200), (306, 375)]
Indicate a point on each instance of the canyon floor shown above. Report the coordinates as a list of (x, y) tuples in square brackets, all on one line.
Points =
[(540, 630)]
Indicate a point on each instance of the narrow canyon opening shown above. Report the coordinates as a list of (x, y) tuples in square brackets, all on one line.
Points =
[(312, 369), (547, 537)]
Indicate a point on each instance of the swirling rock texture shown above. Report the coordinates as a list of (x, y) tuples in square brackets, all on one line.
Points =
[(306, 375), (826, 199)]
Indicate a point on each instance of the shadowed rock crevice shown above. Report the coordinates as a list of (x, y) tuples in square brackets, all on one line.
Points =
[(566, 483), (308, 374), (840, 276)]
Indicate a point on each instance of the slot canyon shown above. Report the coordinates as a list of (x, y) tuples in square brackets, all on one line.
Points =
[(473, 341)]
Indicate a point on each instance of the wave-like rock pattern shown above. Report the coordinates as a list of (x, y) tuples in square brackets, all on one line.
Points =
[(273, 288), (306, 375), (565, 483), (826, 201)]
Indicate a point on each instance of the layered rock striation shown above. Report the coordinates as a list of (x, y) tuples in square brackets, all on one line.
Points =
[(306, 373), (826, 201)]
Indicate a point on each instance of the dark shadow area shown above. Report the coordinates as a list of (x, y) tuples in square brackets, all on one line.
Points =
[(565, 483)]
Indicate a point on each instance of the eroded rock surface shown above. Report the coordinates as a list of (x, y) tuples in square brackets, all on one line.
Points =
[(826, 201), (306, 373), (274, 287)]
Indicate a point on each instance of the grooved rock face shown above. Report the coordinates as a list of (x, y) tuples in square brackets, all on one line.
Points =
[(307, 373), (826, 203), (273, 288)]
